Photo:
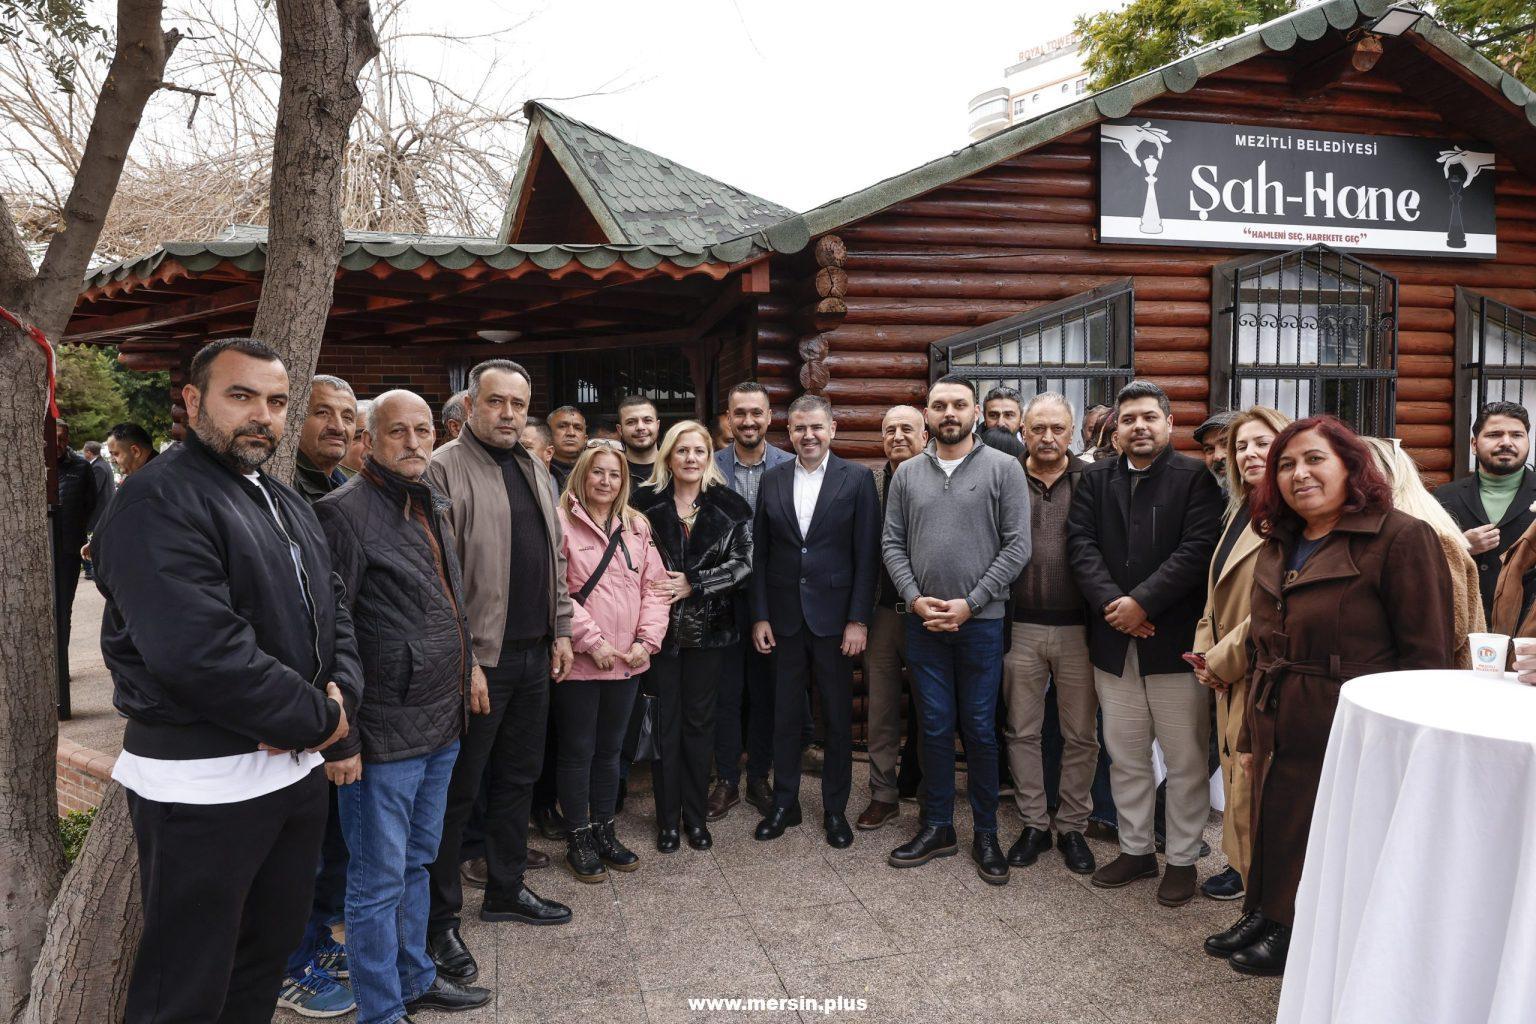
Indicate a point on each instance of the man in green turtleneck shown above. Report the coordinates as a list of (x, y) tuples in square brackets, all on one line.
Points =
[(1493, 505)]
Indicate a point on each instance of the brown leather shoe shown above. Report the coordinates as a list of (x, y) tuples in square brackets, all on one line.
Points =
[(1125, 869), (1178, 886), (536, 859), (473, 873), (722, 798), (876, 814)]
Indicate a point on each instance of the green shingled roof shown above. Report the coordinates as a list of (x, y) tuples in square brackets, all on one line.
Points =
[(245, 246), (1278, 35), (637, 196)]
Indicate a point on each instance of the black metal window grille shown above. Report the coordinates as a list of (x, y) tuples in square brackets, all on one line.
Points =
[(1079, 346), (1495, 362), (596, 381), (1308, 331)]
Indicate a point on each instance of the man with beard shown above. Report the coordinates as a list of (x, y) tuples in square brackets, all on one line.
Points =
[(815, 555), (640, 430), (570, 429), (1050, 644), (745, 672), (309, 981), (956, 537), (902, 435), (130, 447), (1003, 409), (502, 520), (1140, 535), (1493, 505), (232, 657), (1211, 436)]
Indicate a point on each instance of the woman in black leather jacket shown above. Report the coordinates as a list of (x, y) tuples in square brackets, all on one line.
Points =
[(704, 532)]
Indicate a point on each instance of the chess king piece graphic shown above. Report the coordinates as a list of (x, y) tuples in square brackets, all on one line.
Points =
[(1130, 138), (1461, 166)]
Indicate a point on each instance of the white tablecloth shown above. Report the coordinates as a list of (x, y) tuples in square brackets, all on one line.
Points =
[(1418, 901)]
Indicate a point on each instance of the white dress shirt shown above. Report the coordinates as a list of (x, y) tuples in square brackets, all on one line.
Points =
[(807, 490)]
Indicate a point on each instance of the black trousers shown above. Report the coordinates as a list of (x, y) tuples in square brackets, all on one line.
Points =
[(593, 715), (508, 746), (66, 579), (798, 660), (685, 685), (226, 889), (544, 790)]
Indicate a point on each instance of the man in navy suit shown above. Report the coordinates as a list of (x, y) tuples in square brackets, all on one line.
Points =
[(816, 561)]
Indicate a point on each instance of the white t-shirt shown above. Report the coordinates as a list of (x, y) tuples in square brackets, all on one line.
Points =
[(218, 780), (950, 465)]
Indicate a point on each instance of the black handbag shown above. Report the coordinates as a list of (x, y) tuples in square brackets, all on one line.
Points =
[(647, 737)]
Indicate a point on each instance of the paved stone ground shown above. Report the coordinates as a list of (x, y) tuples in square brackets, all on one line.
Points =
[(796, 918)]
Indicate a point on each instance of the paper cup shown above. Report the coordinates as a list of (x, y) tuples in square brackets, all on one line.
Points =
[(1490, 651)]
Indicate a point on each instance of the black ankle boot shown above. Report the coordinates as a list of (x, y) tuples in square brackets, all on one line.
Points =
[(1266, 956), (1244, 933), (581, 855), (614, 853), (991, 865)]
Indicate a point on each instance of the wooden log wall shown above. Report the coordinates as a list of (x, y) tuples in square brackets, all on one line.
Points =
[(1023, 233)]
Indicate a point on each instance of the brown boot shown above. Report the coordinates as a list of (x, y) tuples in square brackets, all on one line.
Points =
[(1178, 886), (1125, 869), (722, 798), (876, 814)]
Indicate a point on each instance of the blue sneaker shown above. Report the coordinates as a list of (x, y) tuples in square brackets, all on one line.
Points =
[(317, 994), (331, 956), (1228, 885)]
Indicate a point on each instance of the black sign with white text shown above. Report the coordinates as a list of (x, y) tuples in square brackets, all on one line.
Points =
[(1193, 183)]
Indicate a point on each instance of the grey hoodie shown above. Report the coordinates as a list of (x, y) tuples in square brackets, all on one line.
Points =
[(966, 535)]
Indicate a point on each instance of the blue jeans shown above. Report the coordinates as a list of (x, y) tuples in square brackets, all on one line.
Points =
[(956, 678), (393, 820)]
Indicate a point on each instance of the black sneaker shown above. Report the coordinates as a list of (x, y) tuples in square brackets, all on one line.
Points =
[(1228, 885)]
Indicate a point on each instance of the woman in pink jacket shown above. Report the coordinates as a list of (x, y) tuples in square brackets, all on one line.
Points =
[(617, 623)]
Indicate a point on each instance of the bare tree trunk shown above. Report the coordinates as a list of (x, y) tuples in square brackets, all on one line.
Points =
[(326, 44), (93, 928), (31, 854)]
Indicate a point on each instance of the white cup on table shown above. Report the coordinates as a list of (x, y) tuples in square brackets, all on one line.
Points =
[(1490, 652), (1525, 659)]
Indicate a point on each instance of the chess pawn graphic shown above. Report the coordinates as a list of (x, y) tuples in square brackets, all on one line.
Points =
[(1456, 236), (1151, 219)]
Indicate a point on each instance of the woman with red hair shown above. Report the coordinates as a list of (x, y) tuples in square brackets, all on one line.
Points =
[(1345, 586)]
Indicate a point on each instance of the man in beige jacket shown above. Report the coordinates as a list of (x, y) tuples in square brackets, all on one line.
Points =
[(501, 510)]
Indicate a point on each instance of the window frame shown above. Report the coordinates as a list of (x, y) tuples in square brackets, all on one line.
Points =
[(1119, 297), (1226, 377), (1470, 371)]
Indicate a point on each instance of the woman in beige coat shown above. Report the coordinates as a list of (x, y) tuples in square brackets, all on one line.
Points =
[(1222, 634), (1411, 496)]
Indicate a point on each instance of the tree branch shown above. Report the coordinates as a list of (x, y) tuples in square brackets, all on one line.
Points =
[(15, 266)]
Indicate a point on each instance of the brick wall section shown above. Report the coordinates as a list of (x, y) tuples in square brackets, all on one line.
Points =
[(82, 775), (375, 369)]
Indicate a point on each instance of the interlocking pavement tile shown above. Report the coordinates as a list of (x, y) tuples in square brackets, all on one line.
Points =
[(809, 936), (873, 878), (1030, 910), (927, 922), (570, 967), (708, 952), (1123, 959), (516, 1010), (1200, 1004), (891, 992), (668, 1005), (696, 891), (801, 883), (995, 982)]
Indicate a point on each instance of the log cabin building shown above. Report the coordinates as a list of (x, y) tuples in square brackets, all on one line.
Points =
[(1332, 211)]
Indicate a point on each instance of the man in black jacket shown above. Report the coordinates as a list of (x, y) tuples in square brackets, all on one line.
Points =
[(1140, 534), (816, 562), (403, 586), (79, 504), (1492, 504), (232, 657)]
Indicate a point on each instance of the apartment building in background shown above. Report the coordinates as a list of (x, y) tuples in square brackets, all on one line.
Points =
[(1043, 78)]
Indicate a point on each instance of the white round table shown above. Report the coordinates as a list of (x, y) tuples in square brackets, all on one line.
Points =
[(1418, 900)]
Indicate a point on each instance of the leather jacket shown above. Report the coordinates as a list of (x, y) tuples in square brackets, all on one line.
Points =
[(716, 556)]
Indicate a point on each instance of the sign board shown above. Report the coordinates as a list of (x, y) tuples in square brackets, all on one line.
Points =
[(1194, 183)]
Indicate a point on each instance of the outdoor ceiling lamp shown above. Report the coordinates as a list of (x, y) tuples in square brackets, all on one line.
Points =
[(499, 337), (1398, 19)]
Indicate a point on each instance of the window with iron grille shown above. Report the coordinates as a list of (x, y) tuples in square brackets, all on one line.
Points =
[(596, 381), (1495, 362), (1079, 346), (1306, 332)]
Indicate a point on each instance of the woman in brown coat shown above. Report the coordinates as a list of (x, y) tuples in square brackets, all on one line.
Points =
[(1221, 636), (1345, 586)]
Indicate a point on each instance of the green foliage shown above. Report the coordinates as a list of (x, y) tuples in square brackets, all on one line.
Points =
[(51, 28), (1504, 31), (72, 829), (1146, 34), (147, 396), (87, 393)]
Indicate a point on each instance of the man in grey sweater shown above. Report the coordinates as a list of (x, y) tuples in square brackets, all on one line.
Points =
[(956, 537)]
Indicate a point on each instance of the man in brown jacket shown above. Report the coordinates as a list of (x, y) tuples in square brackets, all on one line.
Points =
[(501, 510)]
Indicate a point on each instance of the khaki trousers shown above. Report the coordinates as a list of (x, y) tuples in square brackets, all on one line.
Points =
[(1237, 819), (1057, 655), (1174, 709), (884, 655)]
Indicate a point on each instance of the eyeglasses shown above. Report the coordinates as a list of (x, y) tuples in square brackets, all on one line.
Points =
[(605, 442)]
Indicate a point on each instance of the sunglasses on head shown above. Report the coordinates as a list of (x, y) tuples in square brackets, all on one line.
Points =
[(605, 442)]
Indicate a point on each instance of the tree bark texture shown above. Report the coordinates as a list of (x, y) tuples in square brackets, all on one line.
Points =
[(325, 46), (93, 928), (31, 855)]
